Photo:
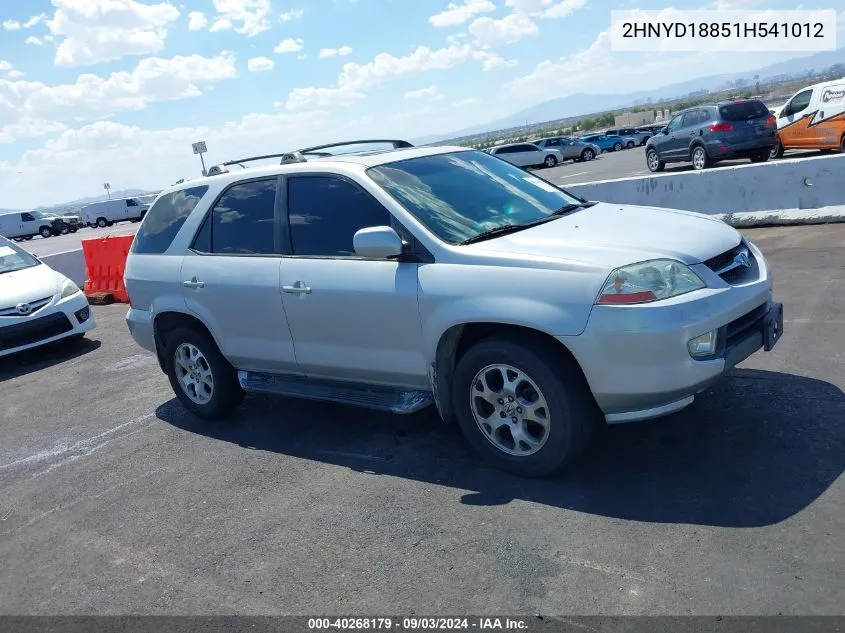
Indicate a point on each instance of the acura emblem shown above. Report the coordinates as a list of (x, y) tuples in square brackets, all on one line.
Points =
[(23, 309)]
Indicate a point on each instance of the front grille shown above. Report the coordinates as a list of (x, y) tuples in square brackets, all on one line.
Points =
[(737, 329), (34, 306), (32, 331), (736, 265)]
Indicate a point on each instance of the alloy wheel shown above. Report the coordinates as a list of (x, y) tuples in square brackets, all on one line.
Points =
[(193, 373)]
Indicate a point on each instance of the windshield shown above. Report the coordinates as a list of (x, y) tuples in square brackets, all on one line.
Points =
[(14, 258), (460, 195)]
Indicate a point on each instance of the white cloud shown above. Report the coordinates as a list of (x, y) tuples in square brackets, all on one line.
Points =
[(456, 14), (259, 64), (91, 96), (197, 21), (354, 78), (33, 41), (512, 28), (466, 102), (293, 14), (251, 14), (302, 56), (548, 9), (93, 31), (428, 94), (4, 66), (35, 19), (15, 74), (493, 61), (12, 25), (289, 45), (29, 128), (343, 51)]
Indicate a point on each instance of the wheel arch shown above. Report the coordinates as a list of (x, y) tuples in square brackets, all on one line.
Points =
[(166, 322), (457, 339)]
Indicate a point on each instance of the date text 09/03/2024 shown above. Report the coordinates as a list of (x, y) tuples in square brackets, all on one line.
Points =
[(416, 623)]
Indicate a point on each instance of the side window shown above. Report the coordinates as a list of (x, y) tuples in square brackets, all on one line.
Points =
[(506, 150), (325, 213), (691, 118), (675, 123), (553, 142), (800, 102), (243, 220), (131, 203), (164, 220), (27, 217)]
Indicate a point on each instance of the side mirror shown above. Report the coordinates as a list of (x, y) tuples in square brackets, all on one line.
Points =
[(377, 242), (664, 130)]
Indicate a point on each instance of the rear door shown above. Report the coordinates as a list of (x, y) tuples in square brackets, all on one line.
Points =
[(527, 155), (230, 277), (351, 318)]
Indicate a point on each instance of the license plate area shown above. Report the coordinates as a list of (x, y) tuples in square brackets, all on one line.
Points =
[(772, 326)]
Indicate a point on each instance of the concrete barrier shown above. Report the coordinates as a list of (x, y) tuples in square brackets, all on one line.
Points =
[(809, 189), (70, 263)]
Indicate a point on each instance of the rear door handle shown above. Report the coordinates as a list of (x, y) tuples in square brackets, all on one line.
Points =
[(299, 288), (194, 283)]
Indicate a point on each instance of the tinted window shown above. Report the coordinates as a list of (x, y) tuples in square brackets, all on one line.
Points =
[(164, 220), (325, 213), (551, 143), (801, 101), (462, 194), (243, 220), (202, 242), (694, 118), (27, 217), (675, 123), (131, 203), (744, 110), (505, 150), (525, 148)]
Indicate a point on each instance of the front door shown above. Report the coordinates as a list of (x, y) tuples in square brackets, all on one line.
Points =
[(793, 127), (351, 318), (230, 278), (673, 145)]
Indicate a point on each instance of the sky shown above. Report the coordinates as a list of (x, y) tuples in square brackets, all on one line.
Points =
[(95, 91)]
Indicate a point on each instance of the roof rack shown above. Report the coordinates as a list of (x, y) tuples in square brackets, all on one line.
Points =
[(298, 156)]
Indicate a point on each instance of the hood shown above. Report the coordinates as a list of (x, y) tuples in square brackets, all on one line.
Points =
[(28, 285), (615, 235)]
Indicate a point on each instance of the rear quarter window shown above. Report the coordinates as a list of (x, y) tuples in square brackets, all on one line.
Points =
[(164, 219), (743, 110)]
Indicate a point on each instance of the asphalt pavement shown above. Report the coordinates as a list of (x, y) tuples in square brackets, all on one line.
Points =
[(628, 163), (116, 501)]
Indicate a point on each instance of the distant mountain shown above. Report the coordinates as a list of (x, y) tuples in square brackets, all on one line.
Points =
[(581, 104), (81, 202)]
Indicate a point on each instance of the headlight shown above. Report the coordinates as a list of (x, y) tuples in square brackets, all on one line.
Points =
[(69, 288), (648, 281)]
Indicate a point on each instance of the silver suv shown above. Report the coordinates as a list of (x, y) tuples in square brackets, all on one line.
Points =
[(399, 278)]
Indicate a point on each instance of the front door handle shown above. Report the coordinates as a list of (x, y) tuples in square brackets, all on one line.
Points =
[(299, 288), (194, 283)]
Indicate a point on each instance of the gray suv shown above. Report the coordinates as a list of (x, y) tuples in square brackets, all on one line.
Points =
[(399, 278), (706, 134)]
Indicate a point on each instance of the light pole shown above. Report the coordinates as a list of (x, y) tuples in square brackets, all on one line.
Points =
[(107, 187)]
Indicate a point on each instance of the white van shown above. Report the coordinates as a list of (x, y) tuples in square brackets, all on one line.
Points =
[(24, 225), (107, 212), (814, 118)]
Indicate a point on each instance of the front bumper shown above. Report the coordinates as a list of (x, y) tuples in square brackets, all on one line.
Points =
[(636, 359), (58, 319)]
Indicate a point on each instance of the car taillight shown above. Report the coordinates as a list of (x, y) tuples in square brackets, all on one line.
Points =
[(772, 120), (721, 127)]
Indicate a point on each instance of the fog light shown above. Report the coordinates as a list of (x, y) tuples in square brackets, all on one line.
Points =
[(704, 345), (82, 315)]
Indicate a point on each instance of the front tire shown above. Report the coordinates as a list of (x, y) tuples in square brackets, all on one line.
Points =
[(45, 232), (617, 147), (631, 144), (652, 159), (102, 223), (203, 380), (700, 159), (522, 407)]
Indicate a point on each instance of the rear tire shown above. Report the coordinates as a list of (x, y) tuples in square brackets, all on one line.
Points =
[(102, 223), (700, 159), (203, 380), (548, 406), (550, 162), (45, 232), (776, 151), (631, 144), (762, 157), (588, 155), (617, 146), (652, 159)]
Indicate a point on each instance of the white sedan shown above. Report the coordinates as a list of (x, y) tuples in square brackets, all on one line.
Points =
[(37, 304)]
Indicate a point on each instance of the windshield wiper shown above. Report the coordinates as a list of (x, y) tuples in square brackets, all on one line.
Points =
[(512, 228)]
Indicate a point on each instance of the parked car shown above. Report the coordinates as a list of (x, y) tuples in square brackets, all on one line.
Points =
[(814, 118), (527, 155), (24, 225), (442, 275), (706, 134), (107, 212), (61, 224), (37, 304), (604, 142), (569, 148), (639, 137)]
